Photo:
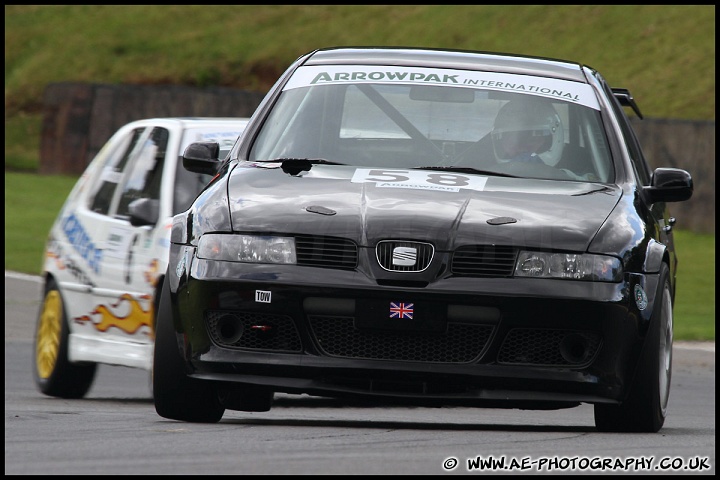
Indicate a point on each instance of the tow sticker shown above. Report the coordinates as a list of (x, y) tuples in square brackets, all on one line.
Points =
[(263, 296)]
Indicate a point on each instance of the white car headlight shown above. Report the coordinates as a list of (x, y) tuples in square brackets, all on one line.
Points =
[(597, 268), (247, 248)]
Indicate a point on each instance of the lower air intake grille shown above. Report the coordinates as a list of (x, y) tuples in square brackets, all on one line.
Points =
[(546, 347), (337, 337), (254, 331)]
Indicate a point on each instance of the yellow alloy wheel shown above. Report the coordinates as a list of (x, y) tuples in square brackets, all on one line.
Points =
[(48, 334)]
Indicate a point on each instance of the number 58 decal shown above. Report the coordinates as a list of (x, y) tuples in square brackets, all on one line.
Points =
[(418, 179)]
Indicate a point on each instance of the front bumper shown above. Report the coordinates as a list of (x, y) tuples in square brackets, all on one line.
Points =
[(495, 342)]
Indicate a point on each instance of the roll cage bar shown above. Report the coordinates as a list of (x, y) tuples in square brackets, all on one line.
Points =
[(626, 99)]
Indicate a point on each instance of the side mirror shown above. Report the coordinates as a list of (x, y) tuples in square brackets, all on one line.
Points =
[(202, 157), (669, 185), (144, 211)]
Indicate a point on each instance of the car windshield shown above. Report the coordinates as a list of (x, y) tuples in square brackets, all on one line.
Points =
[(403, 117)]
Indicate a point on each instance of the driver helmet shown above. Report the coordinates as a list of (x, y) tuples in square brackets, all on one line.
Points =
[(525, 129)]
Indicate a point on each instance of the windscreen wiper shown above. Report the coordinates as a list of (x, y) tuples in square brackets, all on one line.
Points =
[(458, 169), (293, 166), (602, 189), (311, 161)]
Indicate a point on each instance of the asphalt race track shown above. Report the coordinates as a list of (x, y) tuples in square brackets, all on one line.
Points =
[(115, 429)]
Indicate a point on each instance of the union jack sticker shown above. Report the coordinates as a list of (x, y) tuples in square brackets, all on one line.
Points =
[(401, 310)]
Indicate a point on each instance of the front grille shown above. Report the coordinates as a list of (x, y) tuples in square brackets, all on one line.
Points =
[(251, 330), (326, 252), (547, 347), (404, 256), (337, 337), (484, 261)]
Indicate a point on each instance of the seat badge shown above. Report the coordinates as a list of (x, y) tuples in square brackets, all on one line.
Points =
[(404, 256), (401, 310), (640, 298)]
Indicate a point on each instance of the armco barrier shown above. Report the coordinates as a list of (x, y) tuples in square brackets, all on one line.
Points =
[(80, 117)]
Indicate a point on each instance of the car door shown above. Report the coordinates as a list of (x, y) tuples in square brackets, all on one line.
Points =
[(125, 289)]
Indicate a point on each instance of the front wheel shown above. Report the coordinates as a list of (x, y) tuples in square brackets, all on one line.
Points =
[(53, 372), (176, 395), (646, 406)]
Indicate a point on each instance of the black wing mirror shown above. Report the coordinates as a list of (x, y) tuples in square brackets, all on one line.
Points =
[(202, 157), (669, 185), (144, 211)]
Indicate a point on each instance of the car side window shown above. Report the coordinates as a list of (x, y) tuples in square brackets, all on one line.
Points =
[(642, 171), (188, 185), (145, 176), (101, 198)]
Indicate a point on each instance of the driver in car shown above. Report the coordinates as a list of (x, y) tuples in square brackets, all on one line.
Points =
[(527, 131)]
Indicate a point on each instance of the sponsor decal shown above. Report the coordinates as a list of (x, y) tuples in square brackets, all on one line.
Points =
[(67, 263), (81, 242), (574, 92), (118, 242), (226, 139), (401, 310)]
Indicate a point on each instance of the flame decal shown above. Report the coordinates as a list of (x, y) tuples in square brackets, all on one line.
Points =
[(151, 274), (130, 323), (58, 262)]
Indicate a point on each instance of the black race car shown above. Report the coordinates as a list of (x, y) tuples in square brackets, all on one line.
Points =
[(426, 226)]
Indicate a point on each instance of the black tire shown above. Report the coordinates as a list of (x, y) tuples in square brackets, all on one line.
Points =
[(646, 406), (53, 373), (176, 395)]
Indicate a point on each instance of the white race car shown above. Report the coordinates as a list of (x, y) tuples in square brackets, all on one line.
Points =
[(108, 250)]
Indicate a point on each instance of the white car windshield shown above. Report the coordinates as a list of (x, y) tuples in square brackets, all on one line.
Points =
[(404, 117)]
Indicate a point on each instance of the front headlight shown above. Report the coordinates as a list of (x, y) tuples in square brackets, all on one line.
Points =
[(597, 268), (247, 248)]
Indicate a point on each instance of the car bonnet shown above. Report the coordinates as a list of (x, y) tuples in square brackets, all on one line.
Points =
[(341, 201)]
